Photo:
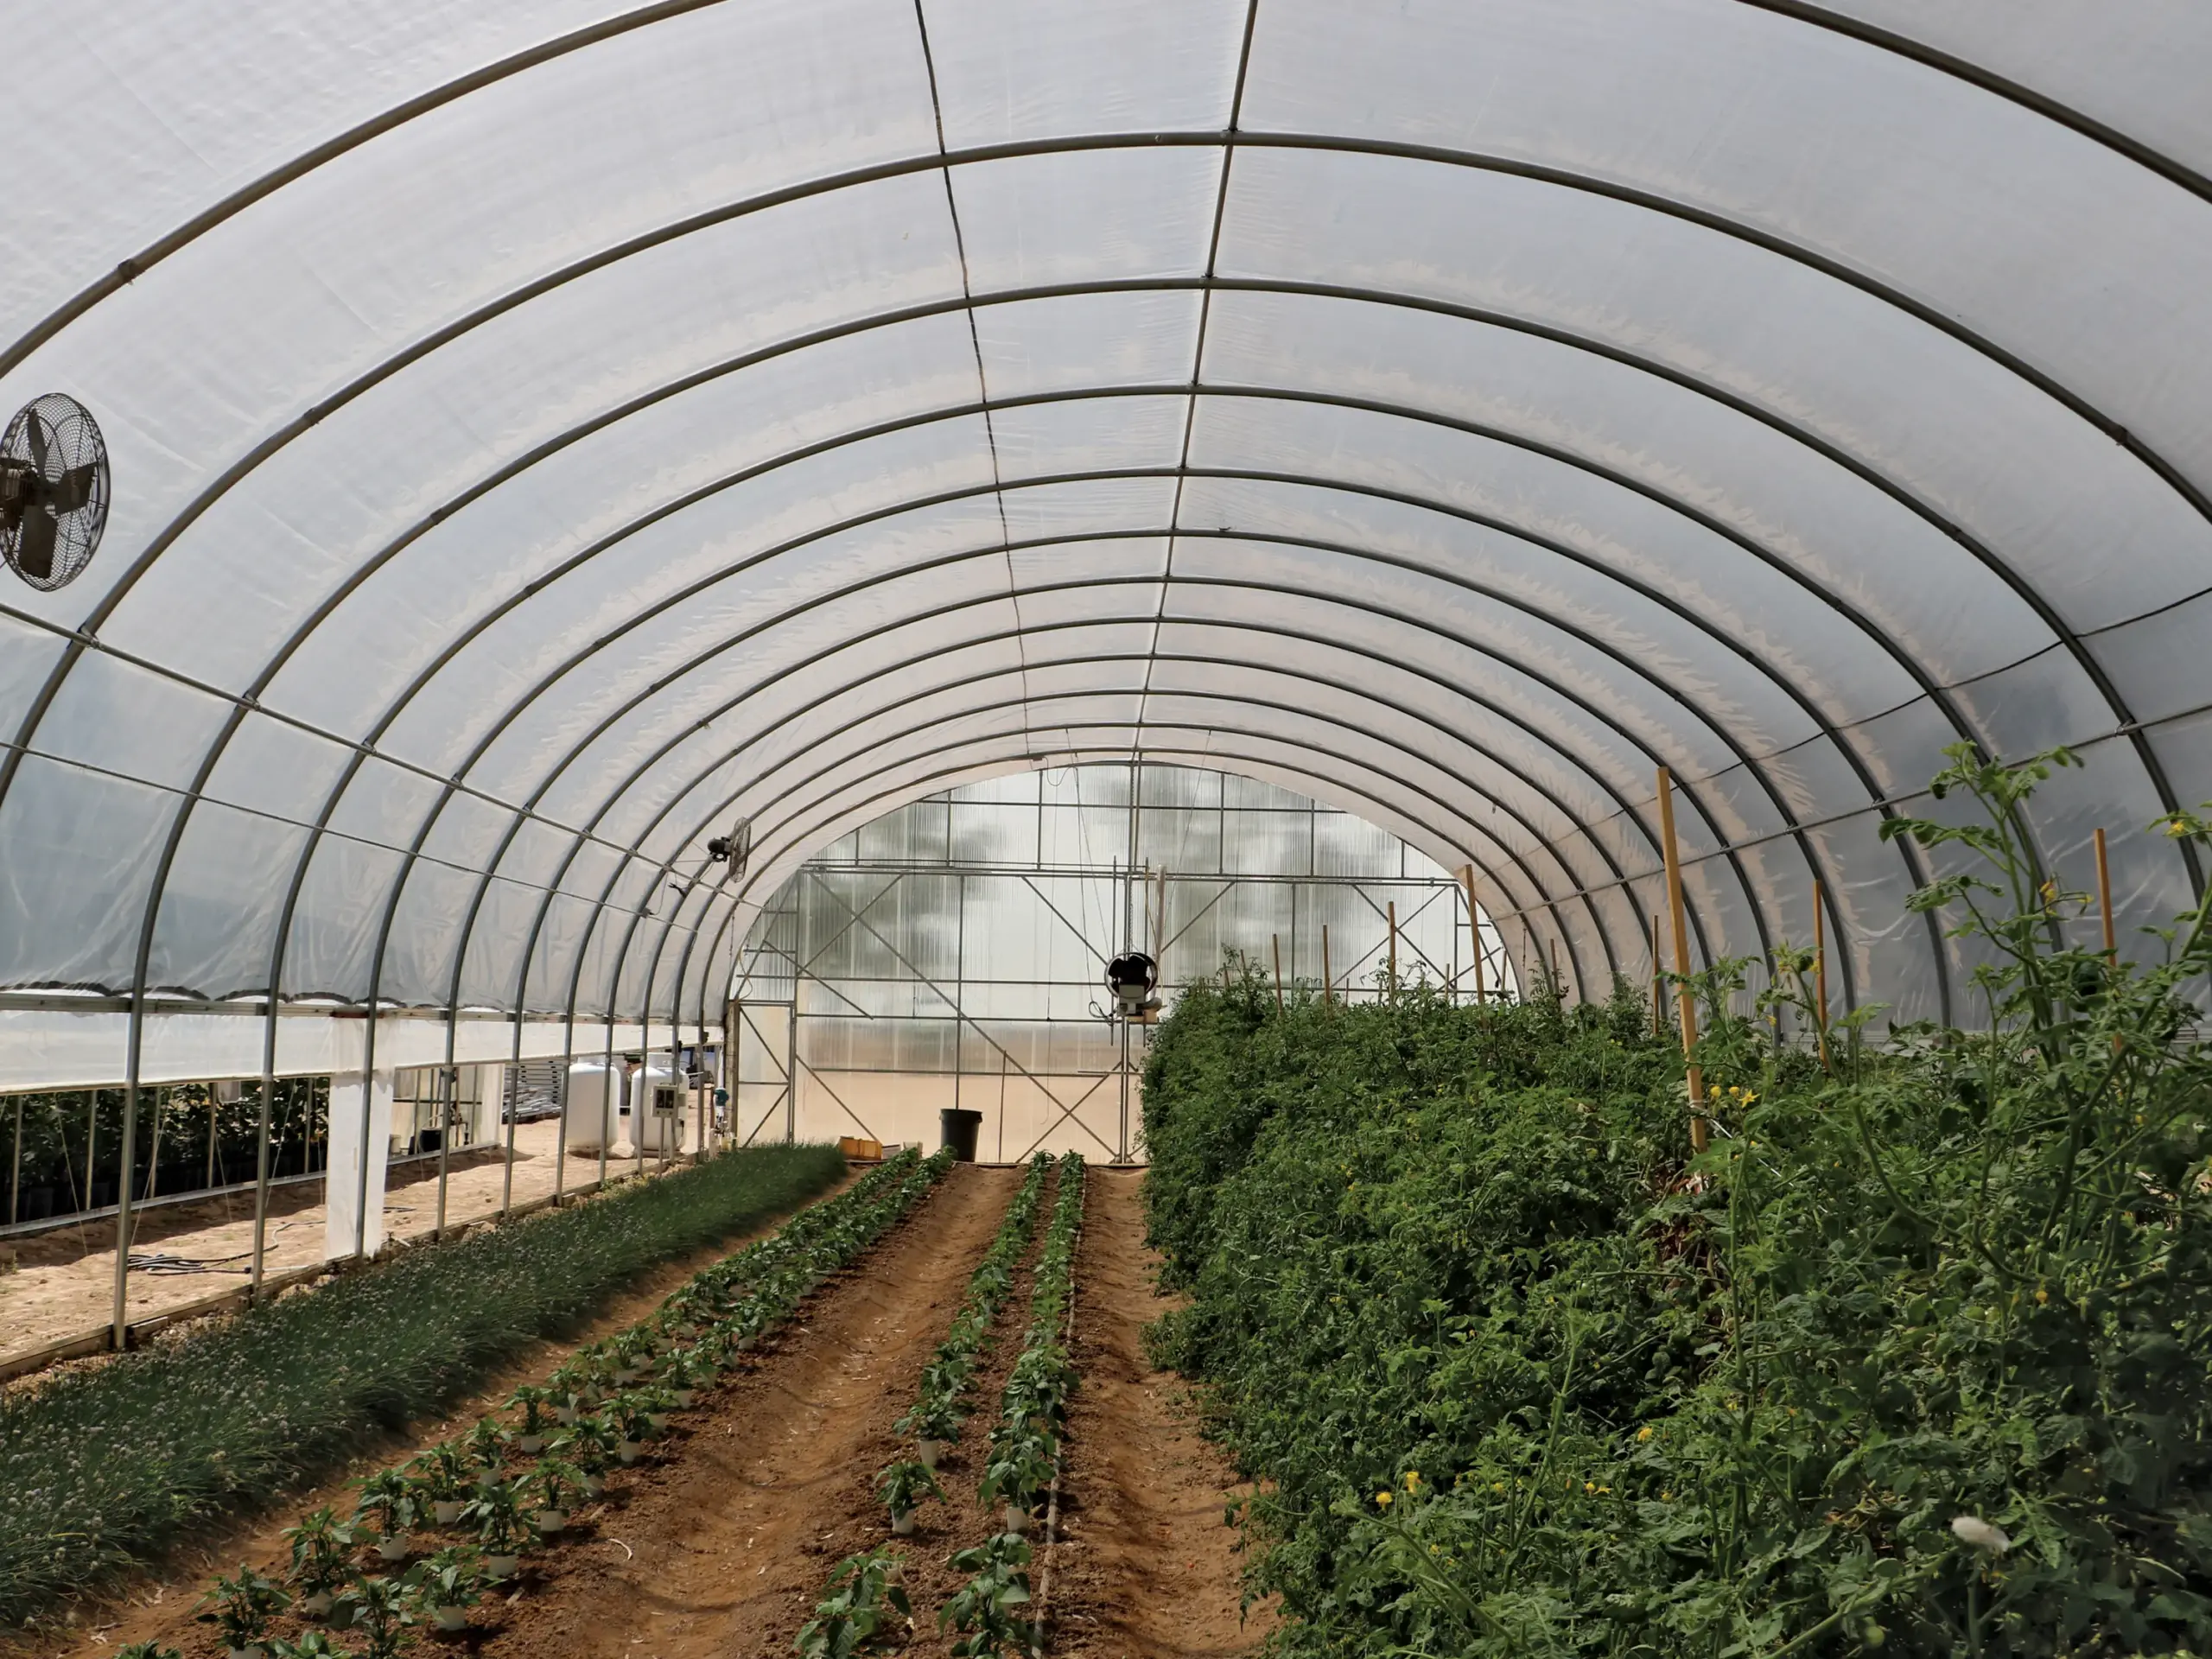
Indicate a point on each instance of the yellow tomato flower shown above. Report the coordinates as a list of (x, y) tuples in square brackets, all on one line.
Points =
[(1643, 1434), (1413, 1480), (1384, 1498)]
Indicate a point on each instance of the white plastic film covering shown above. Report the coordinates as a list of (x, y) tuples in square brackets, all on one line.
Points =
[(543, 436)]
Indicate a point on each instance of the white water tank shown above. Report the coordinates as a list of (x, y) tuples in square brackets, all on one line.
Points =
[(661, 1115), (591, 1103)]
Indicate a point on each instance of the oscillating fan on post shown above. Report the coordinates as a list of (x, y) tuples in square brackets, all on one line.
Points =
[(733, 850), (53, 489)]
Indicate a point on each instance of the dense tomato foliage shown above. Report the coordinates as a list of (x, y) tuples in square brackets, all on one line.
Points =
[(1917, 1355)]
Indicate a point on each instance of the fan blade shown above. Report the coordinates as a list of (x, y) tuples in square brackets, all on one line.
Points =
[(35, 431), (74, 489), (34, 552)]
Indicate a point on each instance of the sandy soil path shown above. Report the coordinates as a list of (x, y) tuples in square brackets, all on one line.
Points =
[(719, 1546), (1148, 1569), (64, 1280), (744, 1522), (158, 1604)]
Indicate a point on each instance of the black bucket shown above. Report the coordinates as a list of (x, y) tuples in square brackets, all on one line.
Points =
[(958, 1130)]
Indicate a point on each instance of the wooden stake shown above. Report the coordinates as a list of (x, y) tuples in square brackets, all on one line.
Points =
[(2104, 901), (1276, 939), (1658, 982), (2104, 904), (1820, 975), (1688, 1000), (1474, 930), (1328, 981), (1393, 907)]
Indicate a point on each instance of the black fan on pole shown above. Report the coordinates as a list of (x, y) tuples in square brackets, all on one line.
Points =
[(53, 489), (733, 850)]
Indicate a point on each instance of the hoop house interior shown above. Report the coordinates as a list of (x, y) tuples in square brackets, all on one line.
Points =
[(544, 435)]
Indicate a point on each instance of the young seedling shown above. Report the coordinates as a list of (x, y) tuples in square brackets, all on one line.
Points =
[(447, 1584), (557, 1487), (383, 1609), (496, 1514), (315, 1645), (444, 1473), (390, 1504), (322, 1559), (589, 1447), (982, 1611), (241, 1608), (535, 1404), (867, 1606), (486, 1447), (903, 1485)]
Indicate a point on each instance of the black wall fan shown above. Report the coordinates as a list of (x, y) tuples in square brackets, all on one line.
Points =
[(734, 850), (53, 489)]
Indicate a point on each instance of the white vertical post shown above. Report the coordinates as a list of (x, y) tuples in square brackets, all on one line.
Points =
[(360, 1146)]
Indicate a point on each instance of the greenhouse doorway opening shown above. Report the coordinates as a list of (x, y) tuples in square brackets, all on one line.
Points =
[(951, 955)]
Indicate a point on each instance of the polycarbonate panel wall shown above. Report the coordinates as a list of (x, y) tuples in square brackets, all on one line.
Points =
[(952, 951), (544, 435)]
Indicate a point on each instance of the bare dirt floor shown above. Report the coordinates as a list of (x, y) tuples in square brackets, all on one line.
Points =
[(1150, 1569), (721, 1540), (61, 1283)]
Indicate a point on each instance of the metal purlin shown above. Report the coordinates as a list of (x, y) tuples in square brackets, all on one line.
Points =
[(383, 723), (307, 627), (1835, 268), (357, 757), (2131, 730), (1115, 726), (1433, 828), (1412, 415), (438, 96), (658, 871), (1583, 979), (1198, 343), (2138, 739), (553, 886), (1410, 565), (1498, 525), (1798, 434), (725, 802), (965, 556)]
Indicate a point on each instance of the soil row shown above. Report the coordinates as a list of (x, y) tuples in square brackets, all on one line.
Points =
[(722, 1542)]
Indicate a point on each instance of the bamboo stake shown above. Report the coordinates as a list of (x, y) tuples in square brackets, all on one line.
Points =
[(1474, 930), (1393, 907), (2104, 901), (1276, 939), (1687, 998), (1820, 975), (1328, 979)]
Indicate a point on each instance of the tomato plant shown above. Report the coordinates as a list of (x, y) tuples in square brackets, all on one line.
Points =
[(1918, 1355)]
